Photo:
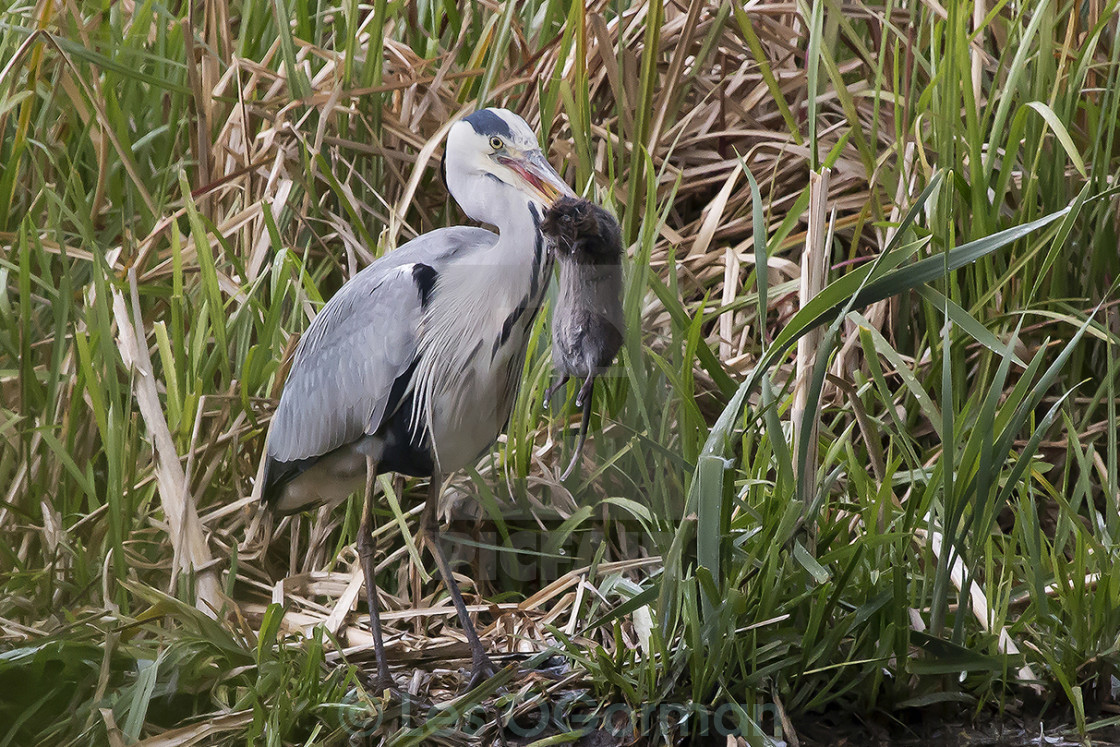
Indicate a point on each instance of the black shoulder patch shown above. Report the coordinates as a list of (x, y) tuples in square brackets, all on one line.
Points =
[(486, 122), (425, 278)]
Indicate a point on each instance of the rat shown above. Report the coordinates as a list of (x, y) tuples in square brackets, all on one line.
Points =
[(587, 323)]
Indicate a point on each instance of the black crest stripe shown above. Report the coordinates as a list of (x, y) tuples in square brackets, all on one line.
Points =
[(486, 122)]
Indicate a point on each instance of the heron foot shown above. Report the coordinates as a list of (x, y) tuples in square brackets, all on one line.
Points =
[(383, 686), (482, 669), (555, 667)]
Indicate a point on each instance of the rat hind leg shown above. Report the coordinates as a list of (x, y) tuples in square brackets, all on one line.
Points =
[(585, 390), (552, 390)]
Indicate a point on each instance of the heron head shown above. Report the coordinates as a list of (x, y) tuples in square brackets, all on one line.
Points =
[(492, 158)]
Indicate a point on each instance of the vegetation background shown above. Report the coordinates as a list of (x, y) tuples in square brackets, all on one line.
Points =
[(915, 508)]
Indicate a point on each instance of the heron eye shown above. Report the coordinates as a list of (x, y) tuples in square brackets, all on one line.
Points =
[(496, 143)]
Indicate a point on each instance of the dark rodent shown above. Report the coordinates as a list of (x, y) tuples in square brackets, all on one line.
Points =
[(587, 323), (583, 232)]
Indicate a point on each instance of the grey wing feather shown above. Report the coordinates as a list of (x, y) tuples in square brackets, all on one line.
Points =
[(362, 340), (345, 365), (435, 248)]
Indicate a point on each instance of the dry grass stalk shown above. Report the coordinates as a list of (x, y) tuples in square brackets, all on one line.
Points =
[(814, 266), (191, 553)]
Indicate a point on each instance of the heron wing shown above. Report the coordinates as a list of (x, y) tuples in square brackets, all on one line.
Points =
[(342, 378)]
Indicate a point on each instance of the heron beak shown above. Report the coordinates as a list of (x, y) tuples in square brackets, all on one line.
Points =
[(539, 179)]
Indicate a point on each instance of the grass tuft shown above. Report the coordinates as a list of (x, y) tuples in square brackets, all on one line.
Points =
[(183, 186)]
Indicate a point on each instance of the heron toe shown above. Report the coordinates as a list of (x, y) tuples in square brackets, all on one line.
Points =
[(382, 685), (482, 669)]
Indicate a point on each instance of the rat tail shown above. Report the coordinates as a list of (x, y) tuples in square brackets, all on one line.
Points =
[(582, 430)]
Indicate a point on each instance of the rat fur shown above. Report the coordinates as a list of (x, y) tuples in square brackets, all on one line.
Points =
[(587, 323)]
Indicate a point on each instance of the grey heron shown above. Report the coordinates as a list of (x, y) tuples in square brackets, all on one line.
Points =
[(412, 367), (587, 322)]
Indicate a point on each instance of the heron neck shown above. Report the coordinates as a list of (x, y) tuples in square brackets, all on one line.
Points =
[(520, 253), (518, 224), (520, 246)]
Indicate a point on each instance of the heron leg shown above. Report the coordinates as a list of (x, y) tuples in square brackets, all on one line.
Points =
[(481, 666), (552, 390), (365, 552)]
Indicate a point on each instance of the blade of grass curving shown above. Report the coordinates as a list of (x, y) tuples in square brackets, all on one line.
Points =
[(402, 524), (762, 59), (640, 161), (1016, 70), (816, 384), (710, 497), (1027, 407), (980, 446), (496, 53), (931, 268), (1060, 132), (969, 324), (297, 81), (346, 199), (704, 354), (1059, 243), (814, 19), (951, 504), (812, 315), (776, 435), (761, 255), (137, 710), (204, 254)]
